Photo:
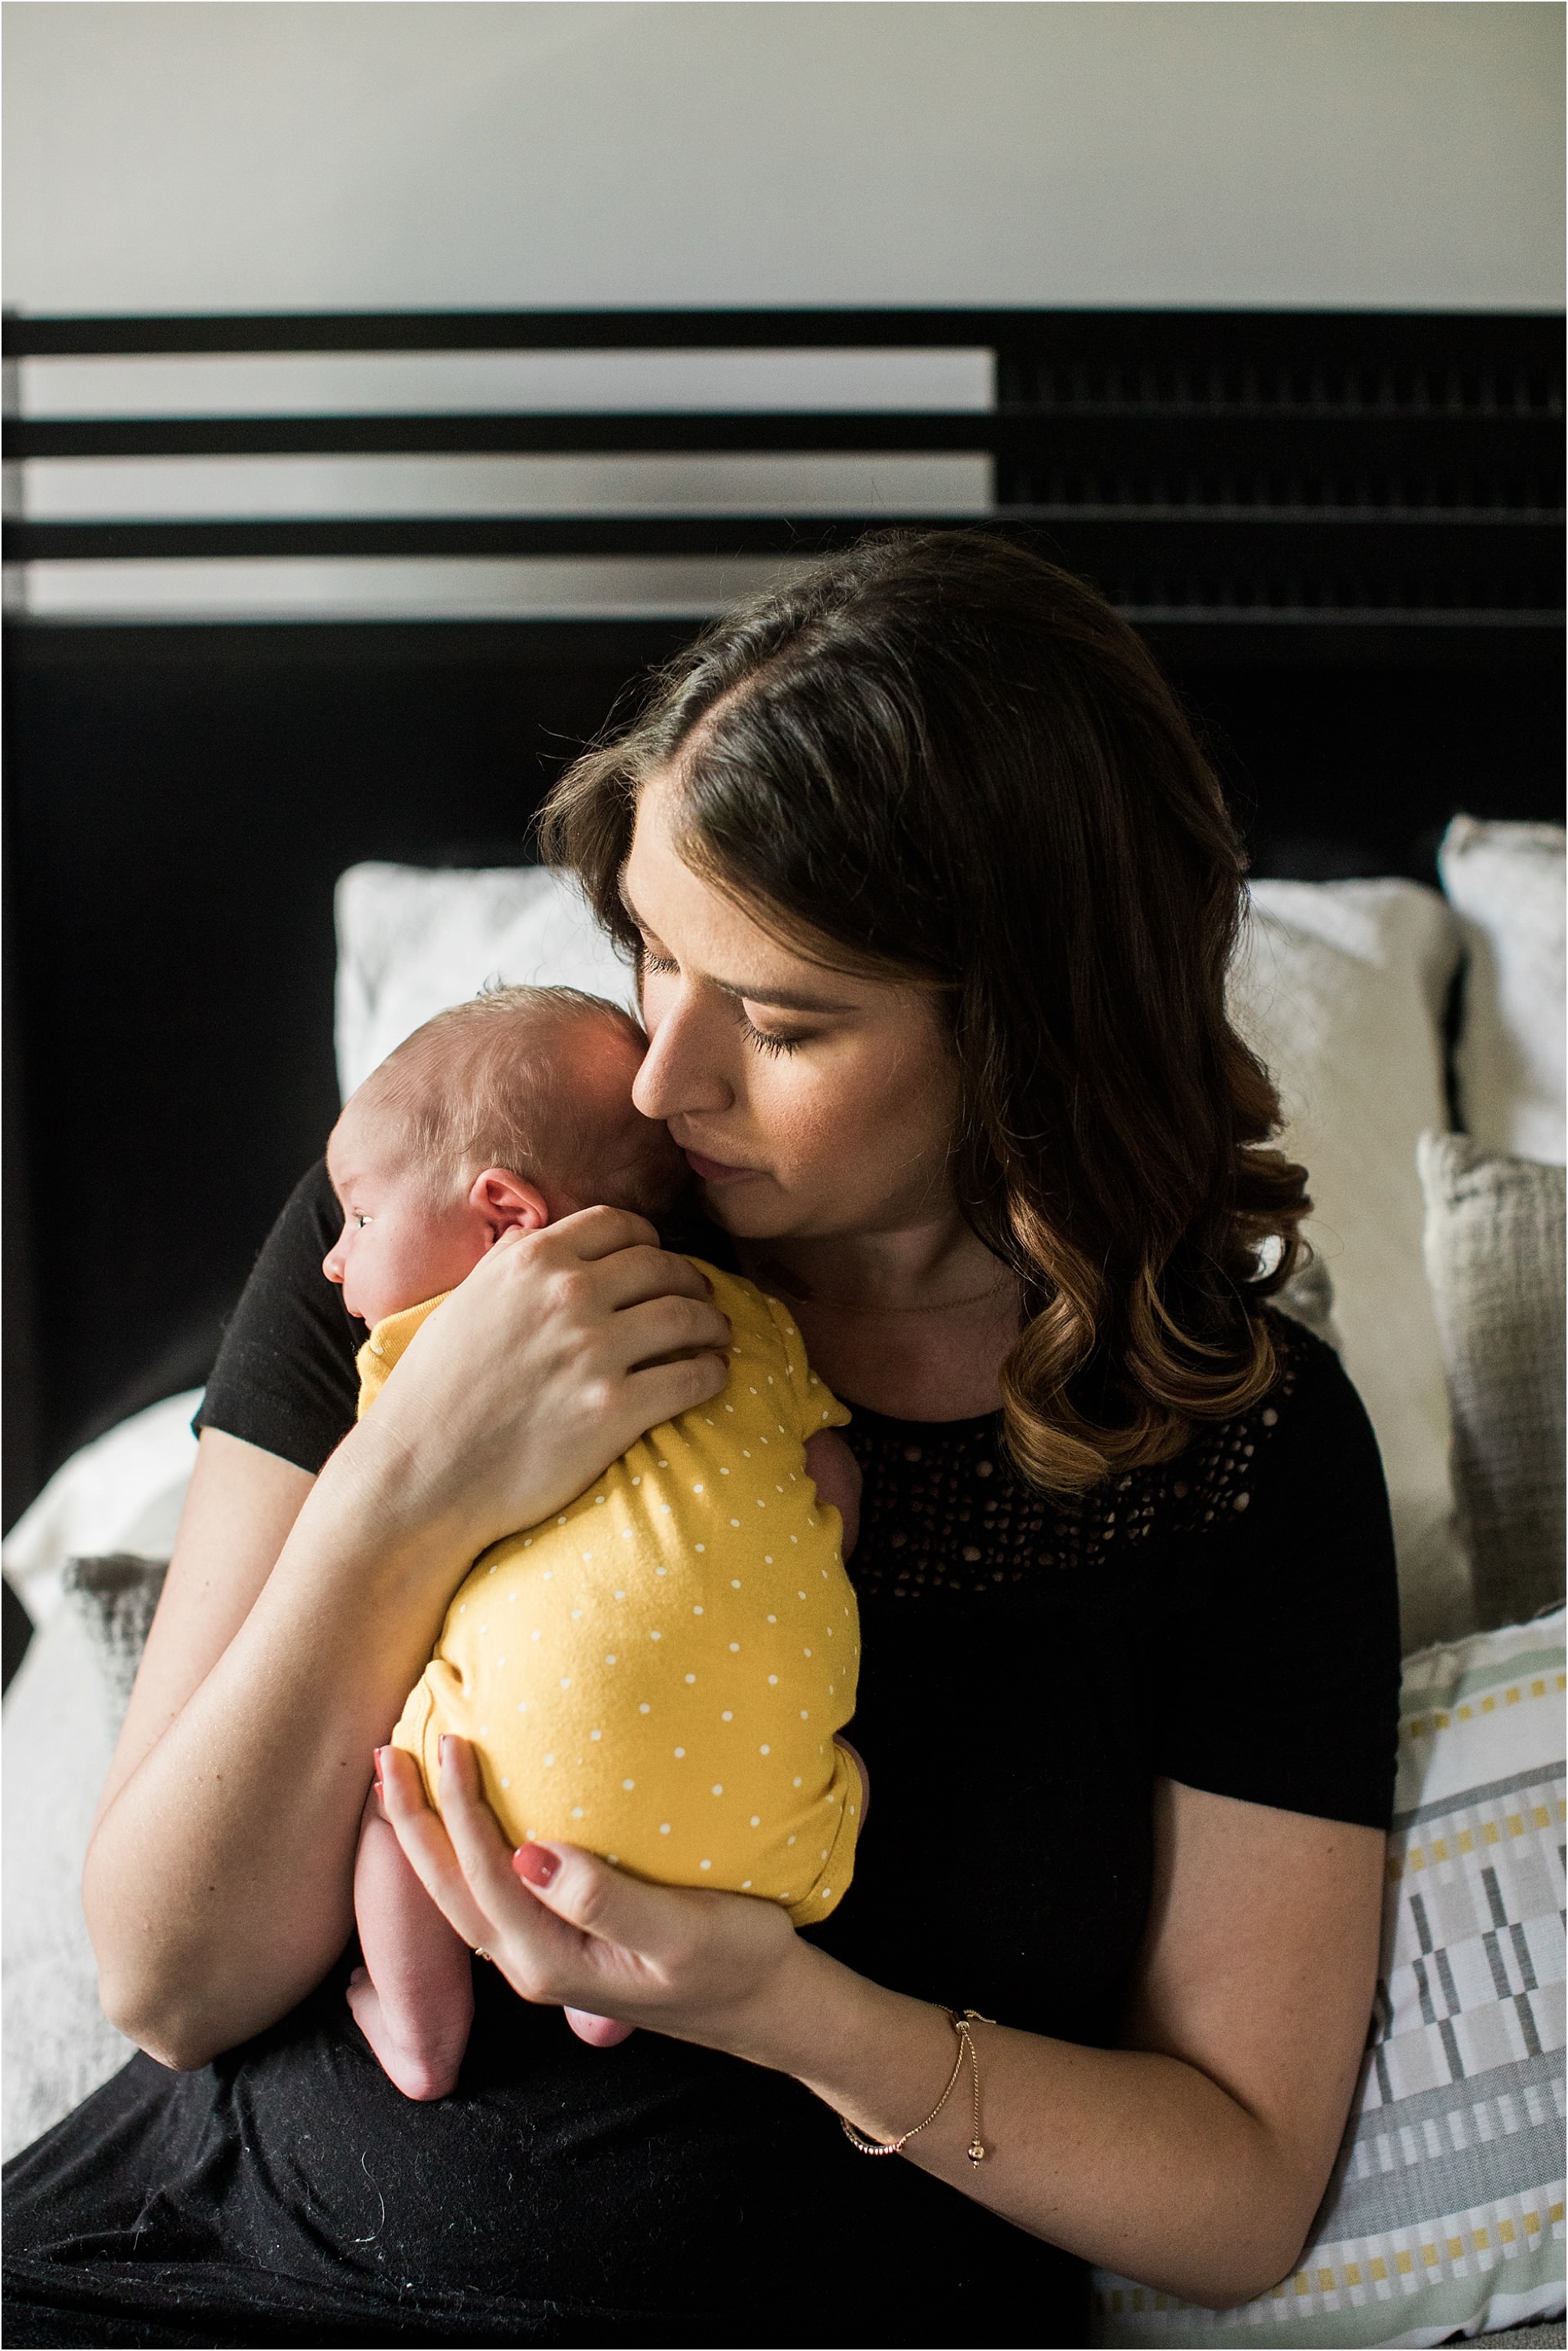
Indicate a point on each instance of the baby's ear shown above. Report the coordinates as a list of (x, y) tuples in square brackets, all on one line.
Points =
[(506, 1203)]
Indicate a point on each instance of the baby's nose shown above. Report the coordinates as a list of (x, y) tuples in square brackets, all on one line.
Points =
[(333, 1264)]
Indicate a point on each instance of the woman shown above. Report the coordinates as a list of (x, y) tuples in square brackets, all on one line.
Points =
[(933, 899)]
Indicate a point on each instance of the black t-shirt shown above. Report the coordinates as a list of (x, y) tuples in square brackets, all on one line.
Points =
[(1028, 1669)]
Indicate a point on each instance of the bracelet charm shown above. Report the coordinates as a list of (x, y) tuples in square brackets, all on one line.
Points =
[(961, 2021)]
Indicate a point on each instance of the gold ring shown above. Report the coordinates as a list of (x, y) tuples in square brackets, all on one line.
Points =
[(481, 1953)]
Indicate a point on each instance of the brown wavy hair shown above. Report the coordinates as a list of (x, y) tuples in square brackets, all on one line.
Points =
[(939, 757)]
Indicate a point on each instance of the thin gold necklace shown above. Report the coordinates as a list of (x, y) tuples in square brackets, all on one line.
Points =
[(947, 1306), (809, 1297)]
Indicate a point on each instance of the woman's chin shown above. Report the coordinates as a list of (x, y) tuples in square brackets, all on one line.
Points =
[(751, 1211)]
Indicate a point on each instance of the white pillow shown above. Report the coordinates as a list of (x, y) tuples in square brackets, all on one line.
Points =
[(1341, 987), (123, 1493), (1506, 882), (413, 940), (59, 1733)]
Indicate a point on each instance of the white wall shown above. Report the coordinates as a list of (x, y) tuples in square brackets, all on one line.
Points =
[(236, 156)]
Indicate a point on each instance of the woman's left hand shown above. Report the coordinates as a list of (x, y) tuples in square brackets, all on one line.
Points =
[(568, 1930)]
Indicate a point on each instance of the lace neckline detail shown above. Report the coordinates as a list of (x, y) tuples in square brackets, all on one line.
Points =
[(945, 1511)]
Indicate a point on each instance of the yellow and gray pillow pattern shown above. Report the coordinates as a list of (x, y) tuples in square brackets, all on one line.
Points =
[(1445, 2211)]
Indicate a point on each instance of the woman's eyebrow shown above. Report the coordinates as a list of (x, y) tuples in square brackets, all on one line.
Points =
[(781, 999)]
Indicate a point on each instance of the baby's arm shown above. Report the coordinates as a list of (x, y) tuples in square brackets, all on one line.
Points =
[(836, 1475), (413, 1998)]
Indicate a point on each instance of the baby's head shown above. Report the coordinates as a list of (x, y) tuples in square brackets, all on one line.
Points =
[(507, 1112)]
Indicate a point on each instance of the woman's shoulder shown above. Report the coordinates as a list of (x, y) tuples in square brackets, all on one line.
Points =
[(1307, 1433), (1270, 1637), (1309, 1425), (284, 1377)]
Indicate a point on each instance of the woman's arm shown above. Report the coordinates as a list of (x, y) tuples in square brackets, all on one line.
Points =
[(217, 1888), (239, 1508), (1193, 2158)]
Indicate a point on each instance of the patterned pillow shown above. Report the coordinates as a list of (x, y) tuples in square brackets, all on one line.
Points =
[(1494, 1262), (1505, 883), (1444, 2213)]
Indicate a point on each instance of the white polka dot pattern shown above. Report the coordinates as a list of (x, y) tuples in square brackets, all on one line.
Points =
[(678, 1708)]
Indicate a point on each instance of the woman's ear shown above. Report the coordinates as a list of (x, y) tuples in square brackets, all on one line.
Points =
[(507, 1204)]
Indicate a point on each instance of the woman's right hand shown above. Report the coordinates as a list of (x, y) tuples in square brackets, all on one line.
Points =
[(560, 1349)]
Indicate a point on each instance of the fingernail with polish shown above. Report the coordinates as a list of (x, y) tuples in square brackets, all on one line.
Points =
[(535, 1863)]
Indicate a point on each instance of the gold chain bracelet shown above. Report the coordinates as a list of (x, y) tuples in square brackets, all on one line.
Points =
[(961, 2020)]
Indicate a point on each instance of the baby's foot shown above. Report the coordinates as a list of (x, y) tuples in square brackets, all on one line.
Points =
[(599, 2032), (422, 2069)]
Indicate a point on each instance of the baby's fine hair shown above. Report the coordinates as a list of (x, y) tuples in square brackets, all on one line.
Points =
[(495, 1082)]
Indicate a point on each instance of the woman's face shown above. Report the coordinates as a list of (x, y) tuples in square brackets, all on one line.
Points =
[(811, 1103)]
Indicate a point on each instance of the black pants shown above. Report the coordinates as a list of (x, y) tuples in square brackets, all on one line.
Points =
[(647, 2195)]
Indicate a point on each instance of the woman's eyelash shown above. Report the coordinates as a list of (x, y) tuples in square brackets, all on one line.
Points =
[(766, 1043), (651, 962)]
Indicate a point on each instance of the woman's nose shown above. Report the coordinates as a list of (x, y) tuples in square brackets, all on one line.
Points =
[(677, 1074)]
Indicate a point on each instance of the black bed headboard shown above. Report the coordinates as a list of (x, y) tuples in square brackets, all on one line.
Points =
[(1339, 531), (1231, 477)]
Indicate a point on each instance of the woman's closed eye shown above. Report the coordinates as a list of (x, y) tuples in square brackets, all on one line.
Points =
[(767, 1041)]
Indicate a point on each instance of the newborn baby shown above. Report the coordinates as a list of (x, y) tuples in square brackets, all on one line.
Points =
[(657, 1672)]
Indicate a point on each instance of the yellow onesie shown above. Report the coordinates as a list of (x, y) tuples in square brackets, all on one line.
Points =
[(657, 1671)]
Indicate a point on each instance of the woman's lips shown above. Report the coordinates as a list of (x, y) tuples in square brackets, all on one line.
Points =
[(716, 1170)]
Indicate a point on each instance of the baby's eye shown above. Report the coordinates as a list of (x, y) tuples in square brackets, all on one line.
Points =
[(356, 1219)]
